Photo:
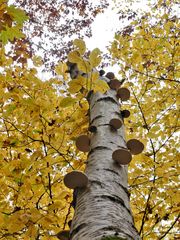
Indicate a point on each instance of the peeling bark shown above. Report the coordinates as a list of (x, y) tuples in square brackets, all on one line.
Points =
[(103, 208)]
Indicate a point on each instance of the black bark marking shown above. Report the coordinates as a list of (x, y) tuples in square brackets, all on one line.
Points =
[(96, 182), (106, 169), (97, 117), (98, 148), (118, 114), (117, 144), (116, 231), (125, 189), (107, 99), (115, 199), (77, 229), (105, 124)]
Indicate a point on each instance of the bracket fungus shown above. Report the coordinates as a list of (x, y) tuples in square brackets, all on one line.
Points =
[(83, 143), (125, 113), (101, 72), (75, 179), (116, 123), (110, 75), (135, 146), (63, 235), (123, 94), (92, 129), (114, 84), (122, 156)]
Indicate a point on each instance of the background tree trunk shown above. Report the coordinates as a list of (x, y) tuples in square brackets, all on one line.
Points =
[(102, 208)]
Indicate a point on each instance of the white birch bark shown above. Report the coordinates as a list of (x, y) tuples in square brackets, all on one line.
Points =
[(103, 208)]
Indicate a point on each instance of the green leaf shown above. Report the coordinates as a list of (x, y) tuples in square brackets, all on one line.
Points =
[(4, 37), (17, 14), (10, 34), (10, 109)]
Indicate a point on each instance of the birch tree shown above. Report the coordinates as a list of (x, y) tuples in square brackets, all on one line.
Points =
[(102, 207)]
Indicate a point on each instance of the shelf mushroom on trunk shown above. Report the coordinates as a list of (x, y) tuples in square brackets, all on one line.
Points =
[(114, 84), (135, 146), (123, 94), (125, 113), (116, 123), (75, 179), (110, 75), (122, 156), (83, 143), (63, 235)]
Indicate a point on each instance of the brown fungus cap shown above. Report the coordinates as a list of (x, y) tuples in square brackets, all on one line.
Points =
[(135, 146), (116, 123), (92, 129), (75, 179), (83, 143), (122, 156), (114, 84), (123, 94), (125, 113), (63, 235), (110, 75)]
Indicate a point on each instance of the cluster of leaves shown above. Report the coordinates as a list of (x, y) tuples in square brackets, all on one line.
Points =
[(39, 122), (148, 60), (53, 25), (11, 22)]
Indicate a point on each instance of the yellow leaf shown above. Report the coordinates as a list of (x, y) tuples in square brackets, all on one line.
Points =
[(32, 231), (1, 219), (74, 57), (84, 66), (95, 57), (37, 61), (80, 45), (56, 205), (94, 76), (61, 69), (100, 86), (67, 101), (46, 221), (63, 194), (76, 84), (35, 214)]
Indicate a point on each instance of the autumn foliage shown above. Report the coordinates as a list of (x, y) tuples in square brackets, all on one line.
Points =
[(40, 120)]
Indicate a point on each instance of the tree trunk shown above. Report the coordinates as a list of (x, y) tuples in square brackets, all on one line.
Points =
[(103, 208)]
